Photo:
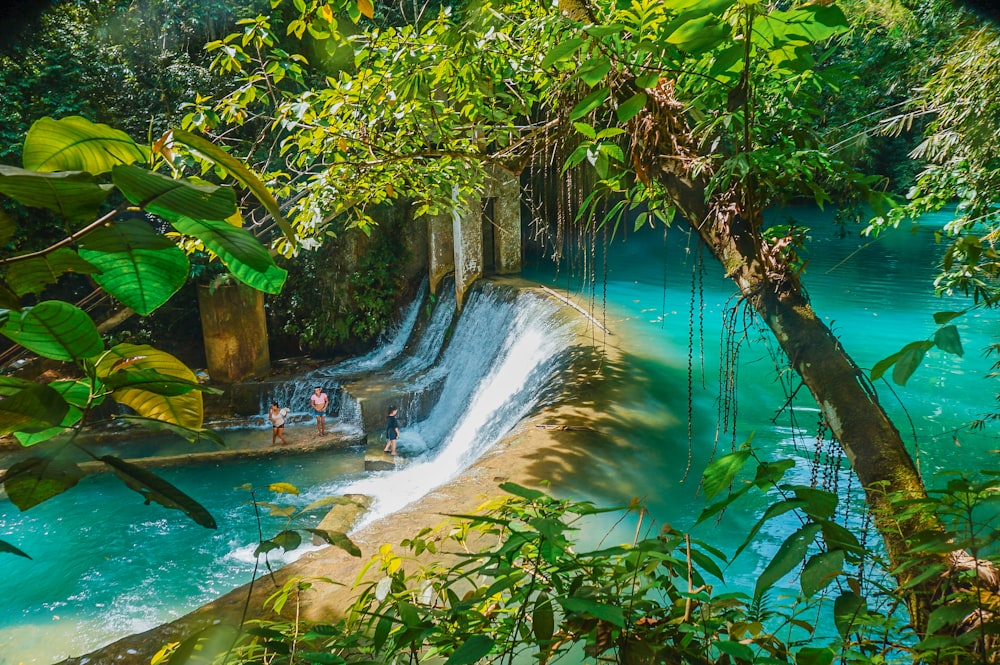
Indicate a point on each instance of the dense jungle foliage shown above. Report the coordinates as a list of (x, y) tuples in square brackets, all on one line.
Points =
[(702, 113)]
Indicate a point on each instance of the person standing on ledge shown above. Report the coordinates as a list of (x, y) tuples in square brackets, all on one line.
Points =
[(277, 417), (320, 402), (391, 431)]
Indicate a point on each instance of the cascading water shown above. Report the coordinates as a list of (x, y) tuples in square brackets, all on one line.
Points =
[(432, 340), (500, 359)]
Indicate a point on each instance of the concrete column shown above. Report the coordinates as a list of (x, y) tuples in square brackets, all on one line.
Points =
[(468, 233), (507, 223), (234, 330), (440, 249)]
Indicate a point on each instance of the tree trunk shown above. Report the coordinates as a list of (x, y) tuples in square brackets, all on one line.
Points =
[(663, 150)]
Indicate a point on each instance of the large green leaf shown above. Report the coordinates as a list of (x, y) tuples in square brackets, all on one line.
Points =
[(154, 488), (72, 417), (32, 409), (790, 554), (947, 339), (7, 227), (185, 410), (171, 197), (10, 385), (820, 570), (246, 258), (73, 194), (589, 103), (562, 51), (139, 267), (471, 651), (153, 381), (33, 275), (54, 329), (77, 144), (812, 23), (37, 479), (720, 472), (610, 613), (78, 395), (240, 172), (696, 32)]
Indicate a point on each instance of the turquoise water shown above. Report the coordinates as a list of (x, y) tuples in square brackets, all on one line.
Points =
[(876, 295)]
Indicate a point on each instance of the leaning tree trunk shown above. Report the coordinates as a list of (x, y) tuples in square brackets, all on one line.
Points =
[(663, 149)]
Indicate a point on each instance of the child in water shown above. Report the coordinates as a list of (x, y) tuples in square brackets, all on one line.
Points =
[(391, 431)]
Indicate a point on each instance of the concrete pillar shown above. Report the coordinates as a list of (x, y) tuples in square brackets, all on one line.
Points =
[(234, 330), (507, 223), (468, 233), (440, 249)]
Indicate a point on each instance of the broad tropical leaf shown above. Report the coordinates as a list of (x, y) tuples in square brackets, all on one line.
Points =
[(139, 267), (73, 194), (54, 329), (471, 651), (820, 570), (32, 409), (72, 417), (172, 197), (154, 382), (33, 275), (246, 258), (154, 488), (720, 472), (6, 228), (77, 144), (240, 172), (37, 479), (10, 385), (947, 339), (184, 410), (790, 554)]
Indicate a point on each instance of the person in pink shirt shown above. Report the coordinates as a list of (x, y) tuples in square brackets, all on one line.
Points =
[(320, 401)]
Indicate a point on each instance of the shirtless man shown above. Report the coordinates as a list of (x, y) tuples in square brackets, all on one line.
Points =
[(320, 402)]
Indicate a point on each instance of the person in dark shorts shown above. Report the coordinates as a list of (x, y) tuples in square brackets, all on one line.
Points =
[(277, 417), (391, 431)]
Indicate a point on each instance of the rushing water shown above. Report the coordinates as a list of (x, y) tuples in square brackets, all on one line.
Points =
[(106, 565)]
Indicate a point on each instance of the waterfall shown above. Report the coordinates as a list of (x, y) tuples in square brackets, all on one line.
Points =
[(431, 341), (504, 351)]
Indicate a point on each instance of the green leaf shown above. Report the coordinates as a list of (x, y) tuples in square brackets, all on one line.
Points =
[(735, 649), (907, 363), (245, 257), (815, 656), (593, 71), (474, 648), (813, 23), (288, 540), (184, 410), (543, 618), (942, 318), (153, 381), (72, 417), (37, 479), (789, 555), (818, 504), (10, 385), (631, 107), (523, 492), (589, 103), (142, 279), (610, 613), (719, 474), (847, 608), (77, 144), (203, 647), (7, 227), (337, 539), (697, 34), (173, 197), (562, 51), (820, 570), (950, 615), (240, 172), (948, 340), (881, 366), (192, 435), (54, 329), (33, 275), (73, 194), (154, 488), (774, 510), (10, 549)]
